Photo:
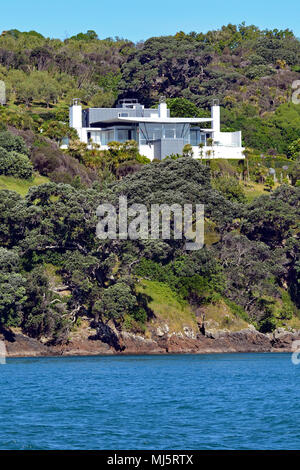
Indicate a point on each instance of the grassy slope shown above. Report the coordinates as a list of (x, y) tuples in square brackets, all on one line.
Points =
[(166, 306), (211, 236), (220, 316), (253, 190), (21, 186)]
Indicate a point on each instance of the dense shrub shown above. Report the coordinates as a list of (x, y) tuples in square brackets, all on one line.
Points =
[(15, 164), (11, 142), (230, 188)]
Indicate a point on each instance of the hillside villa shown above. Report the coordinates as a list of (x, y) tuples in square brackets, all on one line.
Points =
[(158, 135)]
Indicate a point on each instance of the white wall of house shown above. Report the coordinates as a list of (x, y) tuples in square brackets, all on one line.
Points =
[(218, 151), (147, 151), (230, 139), (215, 151)]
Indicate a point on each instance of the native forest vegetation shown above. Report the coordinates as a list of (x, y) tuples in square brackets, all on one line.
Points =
[(55, 273)]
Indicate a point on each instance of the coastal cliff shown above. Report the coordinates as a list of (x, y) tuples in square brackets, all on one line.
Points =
[(246, 340)]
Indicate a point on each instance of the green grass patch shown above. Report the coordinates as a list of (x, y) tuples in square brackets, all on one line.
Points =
[(211, 235), (51, 272), (253, 190), (21, 186), (237, 310), (133, 326), (166, 305), (222, 316), (55, 280)]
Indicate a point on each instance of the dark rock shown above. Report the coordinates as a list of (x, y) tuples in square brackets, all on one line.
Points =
[(111, 341)]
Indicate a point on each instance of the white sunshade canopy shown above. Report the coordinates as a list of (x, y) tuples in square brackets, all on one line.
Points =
[(156, 120), (165, 120)]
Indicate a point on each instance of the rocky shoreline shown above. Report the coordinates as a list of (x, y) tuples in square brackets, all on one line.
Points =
[(246, 340)]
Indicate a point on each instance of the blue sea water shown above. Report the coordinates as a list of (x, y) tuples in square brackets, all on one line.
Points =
[(212, 401)]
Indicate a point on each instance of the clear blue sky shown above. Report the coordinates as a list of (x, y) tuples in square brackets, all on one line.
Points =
[(140, 19)]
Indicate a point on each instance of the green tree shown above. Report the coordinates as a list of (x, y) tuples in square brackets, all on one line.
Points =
[(12, 289), (58, 131), (272, 219), (11, 142), (15, 164), (294, 150), (187, 151), (294, 172), (269, 182), (90, 35), (230, 188), (116, 301), (181, 107)]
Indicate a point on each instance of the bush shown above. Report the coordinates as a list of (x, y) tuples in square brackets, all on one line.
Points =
[(11, 142), (230, 188), (237, 310), (116, 301), (15, 164), (268, 324), (257, 71), (294, 150), (269, 183)]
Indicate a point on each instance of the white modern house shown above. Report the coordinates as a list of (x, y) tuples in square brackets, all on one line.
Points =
[(158, 135)]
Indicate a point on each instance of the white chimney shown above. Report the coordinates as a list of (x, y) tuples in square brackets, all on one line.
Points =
[(76, 114), (215, 114), (162, 109)]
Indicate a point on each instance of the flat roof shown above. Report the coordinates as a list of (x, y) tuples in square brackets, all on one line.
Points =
[(165, 120), (101, 129), (156, 120)]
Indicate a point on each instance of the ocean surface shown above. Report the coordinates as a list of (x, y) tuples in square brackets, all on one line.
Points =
[(212, 401)]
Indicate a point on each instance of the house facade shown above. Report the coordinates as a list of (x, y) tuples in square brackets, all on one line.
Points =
[(157, 134)]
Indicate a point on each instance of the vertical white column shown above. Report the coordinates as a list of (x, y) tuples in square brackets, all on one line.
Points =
[(162, 110), (215, 114), (76, 116)]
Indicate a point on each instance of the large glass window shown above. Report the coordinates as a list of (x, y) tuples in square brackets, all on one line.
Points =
[(150, 132), (95, 136), (123, 135), (169, 131), (154, 131), (196, 136), (183, 132), (107, 136)]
